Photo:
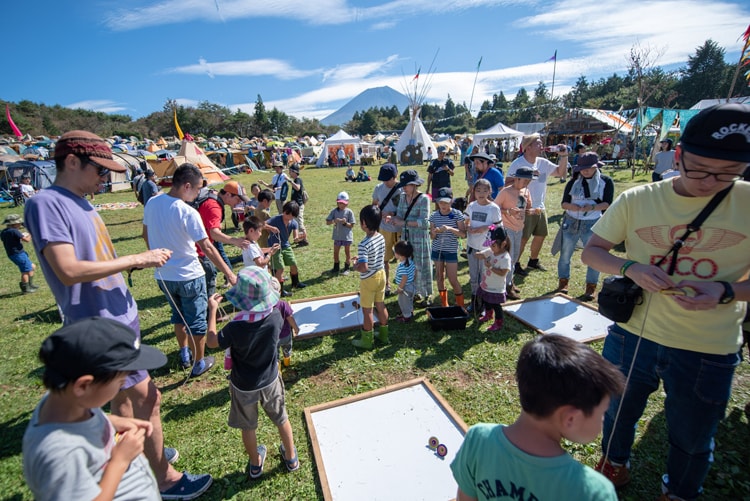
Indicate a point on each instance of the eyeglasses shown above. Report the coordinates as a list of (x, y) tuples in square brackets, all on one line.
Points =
[(725, 177), (101, 171)]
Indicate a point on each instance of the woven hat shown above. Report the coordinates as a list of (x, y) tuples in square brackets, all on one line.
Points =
[(253, 291), (81, 142)]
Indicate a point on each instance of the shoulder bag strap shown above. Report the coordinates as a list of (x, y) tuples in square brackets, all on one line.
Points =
[(411, 206), (388, 198)]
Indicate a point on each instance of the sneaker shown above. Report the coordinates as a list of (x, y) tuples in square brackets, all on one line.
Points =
[(404, 320), (285, 293), (171, 454), (303, 243), (203, 366), (300, 285), (189, 487), (345, 272), (256, 471), (186, 364), (518, 270), (619, 475)]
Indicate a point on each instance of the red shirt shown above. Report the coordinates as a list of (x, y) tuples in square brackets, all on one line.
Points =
[(210, 212)]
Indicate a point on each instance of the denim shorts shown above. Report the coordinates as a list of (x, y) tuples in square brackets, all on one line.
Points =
[(446, 257), (22, 261), (189, 302)]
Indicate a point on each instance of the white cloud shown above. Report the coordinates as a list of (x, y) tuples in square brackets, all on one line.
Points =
[(253, 68), (101, 105)]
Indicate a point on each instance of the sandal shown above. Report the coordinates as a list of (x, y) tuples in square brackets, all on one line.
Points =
[(291, 464), (256, 471)]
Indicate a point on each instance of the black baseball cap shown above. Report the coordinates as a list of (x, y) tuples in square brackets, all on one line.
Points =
[(387, 172), (721, 131), (95, 346)]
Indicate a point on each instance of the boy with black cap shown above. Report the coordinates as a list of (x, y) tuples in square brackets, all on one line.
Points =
[(690, 340), (71, 449)]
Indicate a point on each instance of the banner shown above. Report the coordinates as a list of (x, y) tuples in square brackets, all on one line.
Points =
[(16, 130), (177, 126)]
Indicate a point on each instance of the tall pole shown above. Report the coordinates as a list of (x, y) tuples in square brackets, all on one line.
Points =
[(554, 70), (471, 100)]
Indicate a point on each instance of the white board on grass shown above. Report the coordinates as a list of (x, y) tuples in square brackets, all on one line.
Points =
[(328, 314), (560, 314), (375, 445)]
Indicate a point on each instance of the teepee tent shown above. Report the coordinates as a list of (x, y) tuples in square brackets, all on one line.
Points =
[(339, 140), (190, 153), (414, 141)]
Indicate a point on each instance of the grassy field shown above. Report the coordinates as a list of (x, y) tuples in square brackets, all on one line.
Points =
[(473, 369)]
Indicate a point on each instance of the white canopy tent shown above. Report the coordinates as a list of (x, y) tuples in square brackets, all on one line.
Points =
[(339, 140), (497, 131)]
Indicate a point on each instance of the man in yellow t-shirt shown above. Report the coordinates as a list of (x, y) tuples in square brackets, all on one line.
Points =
[(690, 320)]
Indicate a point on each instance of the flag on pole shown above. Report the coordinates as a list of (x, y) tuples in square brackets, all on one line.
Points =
[(16, 130), (553, 58), (479, 63), (417, 75), (177, 126)]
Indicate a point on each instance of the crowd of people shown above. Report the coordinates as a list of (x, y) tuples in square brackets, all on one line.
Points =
[(690, 317)]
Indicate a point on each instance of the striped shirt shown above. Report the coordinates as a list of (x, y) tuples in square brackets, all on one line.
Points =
[(405, 269), (446, 242), (371, 250)]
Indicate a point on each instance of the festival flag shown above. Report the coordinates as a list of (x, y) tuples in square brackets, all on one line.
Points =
[(417, 75), (16, 131), (479, 63), (553, 58), (177, 126)]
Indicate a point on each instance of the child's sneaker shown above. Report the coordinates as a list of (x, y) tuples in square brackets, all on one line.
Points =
[(189, 487), (619, 475)]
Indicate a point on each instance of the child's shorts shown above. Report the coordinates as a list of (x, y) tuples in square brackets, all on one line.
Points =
[(446, 257), (243, 411), (285, 257), (22, 261), (372, 289), (342, 243)]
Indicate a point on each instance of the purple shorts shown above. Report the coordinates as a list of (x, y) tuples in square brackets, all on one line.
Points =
[(341, 243)]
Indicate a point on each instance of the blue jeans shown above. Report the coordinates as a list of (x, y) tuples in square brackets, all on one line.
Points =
[(189, 303), (697, 385), (572, 231), (210, 277)]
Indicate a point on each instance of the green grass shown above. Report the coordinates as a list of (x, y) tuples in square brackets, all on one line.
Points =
[(472, 369)]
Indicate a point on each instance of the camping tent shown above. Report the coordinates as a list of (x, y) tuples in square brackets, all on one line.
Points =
[(414, 141), (497, 131), (190, 153), (339, 140), (42, 172)]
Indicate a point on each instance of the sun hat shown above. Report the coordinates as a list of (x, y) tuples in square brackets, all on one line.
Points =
[(276, 163), (721, 131), (13, 219), (410, 177), (525, 173), (236, 188), (253, 291), (387, 172), (483, 155), (444, 194), (587, 160), (294, 167), (343, 197), (94, 346), (81, 142)]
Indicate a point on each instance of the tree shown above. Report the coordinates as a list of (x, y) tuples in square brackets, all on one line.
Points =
[(261, 117), (706, 75)]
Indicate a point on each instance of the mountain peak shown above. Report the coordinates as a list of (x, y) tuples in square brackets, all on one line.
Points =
[(376, 97)]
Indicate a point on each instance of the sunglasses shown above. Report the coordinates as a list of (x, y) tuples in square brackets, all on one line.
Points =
[(100, 170)]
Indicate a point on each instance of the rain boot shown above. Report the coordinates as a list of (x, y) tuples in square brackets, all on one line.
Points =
[(562, 285), (32, 287), (497, 326), (365, 340), (25, 289), (443, 298), (296, 283), (589, 294), (335, 269), (460, 300), (510, 293), (487, 316), (383, 334)]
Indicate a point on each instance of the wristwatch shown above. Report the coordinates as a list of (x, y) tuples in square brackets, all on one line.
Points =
[(728, 295)]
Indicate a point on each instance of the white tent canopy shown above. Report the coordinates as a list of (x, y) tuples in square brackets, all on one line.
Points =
[(414, 135), (497, 131), (339, 140)]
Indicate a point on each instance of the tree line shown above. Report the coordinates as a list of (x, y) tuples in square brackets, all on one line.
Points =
[(706, 75)]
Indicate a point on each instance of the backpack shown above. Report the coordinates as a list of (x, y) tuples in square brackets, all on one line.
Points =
[(203, 195)]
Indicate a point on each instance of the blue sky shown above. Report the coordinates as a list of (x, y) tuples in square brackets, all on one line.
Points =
[(308, 57)]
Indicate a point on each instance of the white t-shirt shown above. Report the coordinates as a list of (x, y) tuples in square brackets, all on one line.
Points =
[(278, 181), (173, 224), (481, 215), (250, 254), (492, 282), (537, 187)]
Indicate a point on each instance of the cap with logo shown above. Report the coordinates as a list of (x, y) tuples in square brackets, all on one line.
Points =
[(721, 131), (444, 194)]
